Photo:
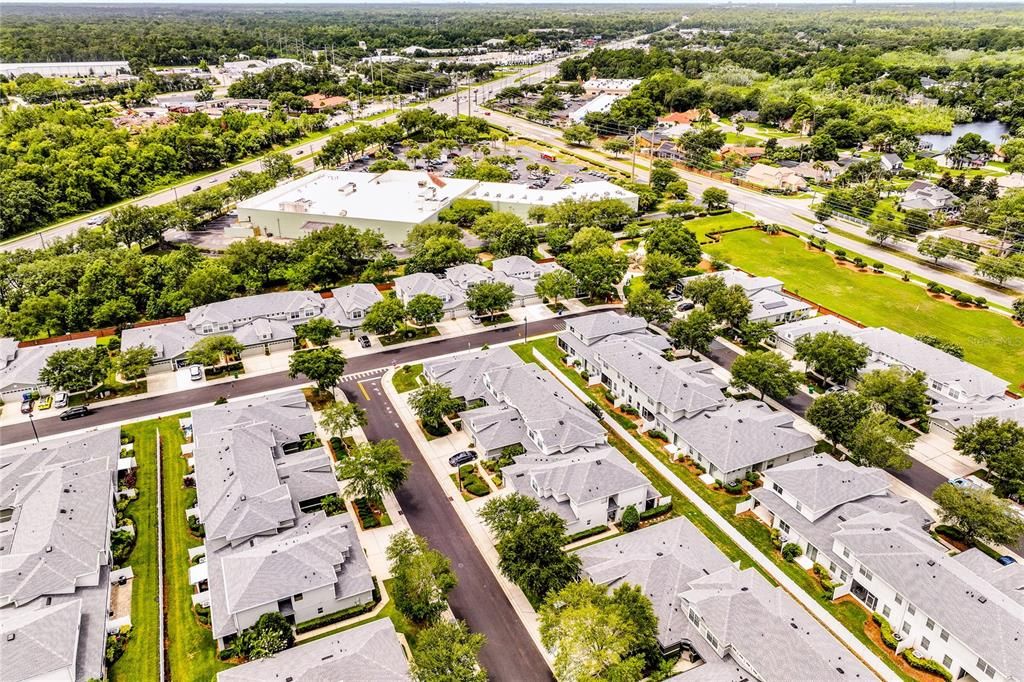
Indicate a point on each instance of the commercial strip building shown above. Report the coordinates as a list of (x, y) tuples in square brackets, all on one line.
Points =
[(733, 622), (370, 652), (20, 365), (964, 611), (768, 302), (65, 69), (393, 202), (261, 323), (565, 461), (260, 476), (683, 399), (56, 517), (962, 392)]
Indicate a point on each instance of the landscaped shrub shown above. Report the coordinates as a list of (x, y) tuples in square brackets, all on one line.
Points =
[(935, 288), (332, 618), (366, 516), (584, 534), (660, 435), (927, 665), (961, 297), (776, 538), (608, 395), (196, 527), (122, 542), (734, 488), (332, 505), (338, 447), (595, 409), (585, 375), (626, 408), (718, 265), (950, 532), (116, 644), (858, 261), (878, 266), (510, 451), (202, 614), (883, 625), (827, 585), (840, 254), (700, 468), (752, 476), (630, 519), (791, 551), (980, 301)]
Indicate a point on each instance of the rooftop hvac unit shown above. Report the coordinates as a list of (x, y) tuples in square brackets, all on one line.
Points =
[(298, 206)]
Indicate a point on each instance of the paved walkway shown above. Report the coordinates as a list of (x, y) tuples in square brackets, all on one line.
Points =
[(808, 602)]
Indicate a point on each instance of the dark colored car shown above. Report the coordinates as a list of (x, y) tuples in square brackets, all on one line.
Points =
[(1006, 560), (460, 458), (364, 341), (75, 412), (684, 306)]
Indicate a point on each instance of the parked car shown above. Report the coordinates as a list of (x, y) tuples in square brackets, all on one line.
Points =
[(836, 389), (475, 319), (460, 458), (75, 412), (98, 220), (364, 341), (197, 188), (684, 306), (45, 403), (1006, 560), (60, 400), (195, 372), (820, 229), (26, 407)]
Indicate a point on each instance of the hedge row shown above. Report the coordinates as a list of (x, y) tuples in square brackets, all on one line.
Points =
[(583, 534), (927, 665), (655, 511), (883, 625), (332, 618)]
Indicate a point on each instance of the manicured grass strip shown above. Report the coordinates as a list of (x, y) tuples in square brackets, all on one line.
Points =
[(989, 340), (717, 223), (141, 658), (406, 378), (192, 650)]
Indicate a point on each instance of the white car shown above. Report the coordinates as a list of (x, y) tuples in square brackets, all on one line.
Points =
[(195, 372), (820, 229), (60, 400)]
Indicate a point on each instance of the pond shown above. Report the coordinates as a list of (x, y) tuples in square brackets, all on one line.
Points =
[(990, 131)]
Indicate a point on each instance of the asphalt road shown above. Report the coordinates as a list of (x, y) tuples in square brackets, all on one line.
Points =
[(510, 653), (184, 400)]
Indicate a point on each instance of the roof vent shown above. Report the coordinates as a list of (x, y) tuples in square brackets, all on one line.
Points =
[(10, 636), (982, 599), (241, 498), (931, 562), (49, 548)]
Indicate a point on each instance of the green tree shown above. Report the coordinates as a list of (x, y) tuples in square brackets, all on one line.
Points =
[(616, 146), (662, 270), (503, 514), (75, 369), (432, 403), (323, 366), (384, 316), (701, 289), (1018, 308), (902, 394), (515, 238), (945, 346), (209, 282), (999, 268), (133, 363), (649, 304), (715, 198), (256, 262), (671, 236), (662, 175), (999, 445), (729, 306), (447, 652), (556, 284), (834, 356), (630, 519), (590, 238), (695, 332), (372, 470), (423, 577), (837, 414), (766, 372), (935, 248), (531, 556), (424, 309), (212, 350), (438, 254), (488, 298), (678, 189), (979, 514), (270, 634), (878, 441), (579, 134), (318, 331), (598, 270), (339, 418)]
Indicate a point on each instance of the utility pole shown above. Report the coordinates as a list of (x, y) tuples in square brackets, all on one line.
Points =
[(632, 173)]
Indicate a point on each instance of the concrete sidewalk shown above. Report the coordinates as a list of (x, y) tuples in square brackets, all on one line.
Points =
[(837, 629)]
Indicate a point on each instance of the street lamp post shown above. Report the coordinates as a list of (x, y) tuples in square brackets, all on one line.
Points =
[(33, 424)]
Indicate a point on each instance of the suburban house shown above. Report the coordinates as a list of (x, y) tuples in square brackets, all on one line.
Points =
[(706, 606), (809, 500), (891, 163), (260, 475), (56, 517), (770, 177), (581, 334), (317, 102), (371, 652), (953, 416), (20, 365), (786, 335), (819, 171), (925, 196), (685, 401), (522, 273), (686, 118), (768, 302), (566, 463), (965, 611), (452, 297), (348, 305)]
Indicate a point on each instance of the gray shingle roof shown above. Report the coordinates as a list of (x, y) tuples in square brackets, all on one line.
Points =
[(22, 372), (464, 373), (750, 284), (961, 415), (584, 475), (238, 310), (171, 340), (986, 616), (661, 559), (8, 350), (349, 299), (742, 434), (822, 483), (495, 426), (37, 643), (766, 304), (592, 328), (792, 331), (408, 286), (368, 653)]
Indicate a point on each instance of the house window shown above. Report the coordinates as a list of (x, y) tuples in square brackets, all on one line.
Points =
[(899, 599), (947, 662), (310, 313), (6, 514), (712, 640), (694, 618), (320, 609), (799, 506), (911, 609), (930, 624), (886, 610), (866, 573), (846, 553), (944, 636), (297, 597), (906, 628), (925, 643), (986, 668), (842, 576), (357, 314), (783, 526), (293, 315)]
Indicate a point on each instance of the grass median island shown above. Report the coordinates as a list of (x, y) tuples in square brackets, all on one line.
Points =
[(717, 223), (407, 378), (141, 658), (989, 340)]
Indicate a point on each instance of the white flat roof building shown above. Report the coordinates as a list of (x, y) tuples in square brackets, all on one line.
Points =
[(601, 104), (393, 202), (65, 69)]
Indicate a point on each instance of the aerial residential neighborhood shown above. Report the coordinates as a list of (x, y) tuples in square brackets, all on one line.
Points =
[(522, 342)]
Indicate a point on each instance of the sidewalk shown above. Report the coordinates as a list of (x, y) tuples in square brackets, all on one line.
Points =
[(436, 453), (837, 629)]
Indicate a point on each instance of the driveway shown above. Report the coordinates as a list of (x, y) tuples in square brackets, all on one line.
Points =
[(510, 653)]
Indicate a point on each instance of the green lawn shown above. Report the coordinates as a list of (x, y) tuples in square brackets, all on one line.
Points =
[(405, 379), (729, 221), (193, 653), (989, 340), (141, 658)]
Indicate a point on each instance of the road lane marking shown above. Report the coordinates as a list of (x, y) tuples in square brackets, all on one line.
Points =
[(363, 389)]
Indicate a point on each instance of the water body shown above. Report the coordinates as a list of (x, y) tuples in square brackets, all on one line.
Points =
[(990, 131)]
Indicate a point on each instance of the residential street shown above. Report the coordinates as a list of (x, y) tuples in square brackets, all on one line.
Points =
[(510, 653)]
